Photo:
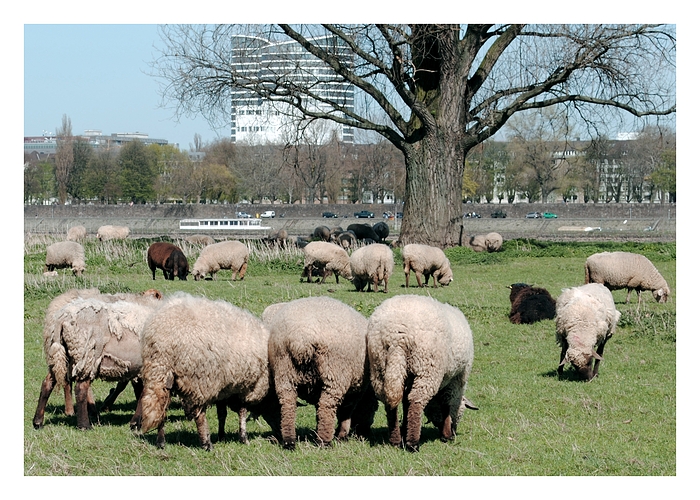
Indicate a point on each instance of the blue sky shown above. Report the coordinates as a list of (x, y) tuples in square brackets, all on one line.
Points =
[(97, 75)]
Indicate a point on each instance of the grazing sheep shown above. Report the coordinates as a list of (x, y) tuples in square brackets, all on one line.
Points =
[(346, 240), (65, 254), (277, 238), (329, 258), (494, 242), (586, 319), (322, 233), (382, 230), (370, 265), (632, 271), (207, 352), (478, 243), (89, 335), (200, 239), (110, 232), (76, 233), (420, 350), (231, 255), (169, 258), (530, 304), (317, 352), (364, 232), (426, 260)]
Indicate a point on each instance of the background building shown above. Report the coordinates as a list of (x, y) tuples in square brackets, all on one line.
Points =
[(255, 120)]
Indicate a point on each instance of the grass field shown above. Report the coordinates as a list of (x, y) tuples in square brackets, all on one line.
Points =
[(529, 422)]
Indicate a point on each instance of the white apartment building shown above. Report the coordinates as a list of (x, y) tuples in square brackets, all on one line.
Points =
[(255, 120)]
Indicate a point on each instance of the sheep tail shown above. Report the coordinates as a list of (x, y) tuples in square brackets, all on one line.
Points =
[(395, 375), (57, 359)]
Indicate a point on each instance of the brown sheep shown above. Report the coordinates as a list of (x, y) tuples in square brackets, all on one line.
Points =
[(530, 304), (169, 258)]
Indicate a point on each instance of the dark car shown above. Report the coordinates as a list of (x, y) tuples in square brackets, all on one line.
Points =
[(498, 214), (329, 215), (364, 214), (533, 215), (472, 215)]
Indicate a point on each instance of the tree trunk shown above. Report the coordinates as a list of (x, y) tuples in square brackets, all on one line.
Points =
[(439, 189)]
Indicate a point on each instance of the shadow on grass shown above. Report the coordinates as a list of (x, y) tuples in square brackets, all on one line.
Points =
[(568, 375)]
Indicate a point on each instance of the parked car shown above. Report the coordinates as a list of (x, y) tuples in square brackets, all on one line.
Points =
[(364, 214), (388, 215), (243, 215), (533, 215), (498, 214), (329, 215), (549, 215), (399, 215), (268, 214), (472, 215)]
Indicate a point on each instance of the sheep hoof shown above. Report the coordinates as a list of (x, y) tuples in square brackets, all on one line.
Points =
[(413, 448), (289, 445)]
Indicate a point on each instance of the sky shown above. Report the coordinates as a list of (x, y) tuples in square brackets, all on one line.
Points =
[(97, 75)]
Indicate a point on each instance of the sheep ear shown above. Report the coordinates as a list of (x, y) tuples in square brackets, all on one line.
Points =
[(169, 381), (597, 356), (469, 404)]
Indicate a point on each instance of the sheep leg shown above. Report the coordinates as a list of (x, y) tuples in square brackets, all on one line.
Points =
[(113, 393), (160, 438), (221, 412), (68, 398), (91, 405), (420, 285), (560, 368), (242, 431), (407, 276), (392, 420), (203, 429), (288, 422), (413, 427), (307, 272), (242, 271), (46, 387), (81, 402), (447, 433), (596, 363), (375, 280), (326, 415)]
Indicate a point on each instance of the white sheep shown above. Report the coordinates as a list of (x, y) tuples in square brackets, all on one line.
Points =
[(231, 255), (65, 254), (207, 352), (586, 318), (317, 352), (109, 232), (426, 260), (632, 271), (494, 242), (88, 335), (200, 239), (420, 351), (327, 257), (370, 265), (76, 233), (478, 243)]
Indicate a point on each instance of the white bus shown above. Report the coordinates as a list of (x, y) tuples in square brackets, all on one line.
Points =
[(222, 225)]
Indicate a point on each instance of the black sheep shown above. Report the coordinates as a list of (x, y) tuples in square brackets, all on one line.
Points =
[(364, 232), (530, 304), (170, 259)]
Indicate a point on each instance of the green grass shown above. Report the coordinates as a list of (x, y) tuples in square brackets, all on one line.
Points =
[(530, 423)]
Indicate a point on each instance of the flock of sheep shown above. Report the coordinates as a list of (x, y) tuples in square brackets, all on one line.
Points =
[(412, 350)]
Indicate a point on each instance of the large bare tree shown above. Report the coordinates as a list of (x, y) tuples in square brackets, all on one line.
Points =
[(434, 91), (64, 158)]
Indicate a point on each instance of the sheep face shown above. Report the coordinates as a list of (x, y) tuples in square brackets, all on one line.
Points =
[(660, 295), (198, 274), (444, 276)]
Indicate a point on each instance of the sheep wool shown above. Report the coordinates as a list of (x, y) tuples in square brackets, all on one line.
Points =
[(231, 255), (65, 254), (76, 233), (200, 239), (206, 351), (494, 242), (586, 319), (530, 304), (428, 261), (329, 258), (416, 338), (317, 352), (617, 270), (110, 232), (370, 265)]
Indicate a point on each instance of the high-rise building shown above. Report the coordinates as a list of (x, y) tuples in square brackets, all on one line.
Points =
[(257, 120)]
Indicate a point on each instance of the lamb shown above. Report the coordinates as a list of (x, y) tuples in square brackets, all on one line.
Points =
[(426, 260), (364, 232), (169, 258), (530, 304), (200, 239), (586, 319), (317, 352), (382, 230), (633, 271), (65, 254), (370, 265), (329, 258), (420, 353), (207, 352), (76, 233), (110, 232), (90, 335), (231, 255)]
